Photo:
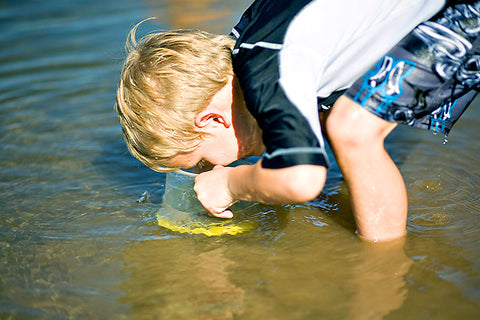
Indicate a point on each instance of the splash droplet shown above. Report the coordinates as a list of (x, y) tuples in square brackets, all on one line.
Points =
[(445, 139)]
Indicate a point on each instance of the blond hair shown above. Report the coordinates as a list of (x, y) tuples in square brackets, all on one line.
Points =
[(168, 78)]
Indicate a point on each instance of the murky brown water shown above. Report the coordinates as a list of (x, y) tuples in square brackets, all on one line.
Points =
[(76, 244)]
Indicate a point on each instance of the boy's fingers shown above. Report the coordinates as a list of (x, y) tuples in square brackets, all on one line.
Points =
[(227, 214)]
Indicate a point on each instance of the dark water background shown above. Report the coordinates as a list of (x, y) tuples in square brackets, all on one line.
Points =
[(75, 244)]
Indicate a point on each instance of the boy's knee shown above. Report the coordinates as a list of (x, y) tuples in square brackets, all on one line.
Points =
[(350, 126)]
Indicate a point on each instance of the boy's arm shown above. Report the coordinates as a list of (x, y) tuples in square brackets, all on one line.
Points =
[(221, 187)]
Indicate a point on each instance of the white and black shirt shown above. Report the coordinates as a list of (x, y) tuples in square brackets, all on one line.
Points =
[(290, 54)]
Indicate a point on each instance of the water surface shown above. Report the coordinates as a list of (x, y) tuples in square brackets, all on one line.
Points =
[(75, 243)]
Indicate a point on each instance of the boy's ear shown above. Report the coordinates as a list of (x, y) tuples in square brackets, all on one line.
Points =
[(213, 117)]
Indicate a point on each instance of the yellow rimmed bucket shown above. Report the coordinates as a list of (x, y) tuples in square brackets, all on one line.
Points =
[(182, 212)]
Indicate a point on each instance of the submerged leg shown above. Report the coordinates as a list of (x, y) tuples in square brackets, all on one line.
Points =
[(376, 187)]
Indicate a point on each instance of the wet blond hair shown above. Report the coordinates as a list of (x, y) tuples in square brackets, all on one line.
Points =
[(168, 78)]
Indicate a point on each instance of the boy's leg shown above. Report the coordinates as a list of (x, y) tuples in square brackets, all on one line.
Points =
[(427, 80), (376, 187)]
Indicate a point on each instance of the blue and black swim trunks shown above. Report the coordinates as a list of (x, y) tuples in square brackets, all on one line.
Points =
[(429, 78)]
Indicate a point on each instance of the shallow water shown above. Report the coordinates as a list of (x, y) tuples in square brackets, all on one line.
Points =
[(76, 243)]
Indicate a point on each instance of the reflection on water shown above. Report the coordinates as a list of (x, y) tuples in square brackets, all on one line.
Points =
[(192, 284), (75, 243), (379, 280), (209, 15)]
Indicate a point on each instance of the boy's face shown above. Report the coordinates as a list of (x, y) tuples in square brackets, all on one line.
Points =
[(228, 135), (218, 148)]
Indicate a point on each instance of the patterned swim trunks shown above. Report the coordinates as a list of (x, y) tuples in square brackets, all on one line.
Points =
[(430, 78)]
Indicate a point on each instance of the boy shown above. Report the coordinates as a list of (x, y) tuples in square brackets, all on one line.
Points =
[(181, 103)]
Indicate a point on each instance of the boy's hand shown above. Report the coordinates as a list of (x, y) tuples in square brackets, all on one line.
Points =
[(213, 192)]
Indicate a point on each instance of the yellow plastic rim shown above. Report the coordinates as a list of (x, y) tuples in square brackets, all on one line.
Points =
[(210, 229)]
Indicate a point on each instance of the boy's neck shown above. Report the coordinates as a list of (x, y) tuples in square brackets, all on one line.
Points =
[(247, 130)]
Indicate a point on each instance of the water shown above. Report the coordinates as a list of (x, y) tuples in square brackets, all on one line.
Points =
[(76, 244)]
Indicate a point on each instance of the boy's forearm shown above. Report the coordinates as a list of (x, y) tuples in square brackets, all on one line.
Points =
[(276, 186)]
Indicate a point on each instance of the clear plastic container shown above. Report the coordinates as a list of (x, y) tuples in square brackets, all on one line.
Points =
[(179, 194), (182, 212)]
